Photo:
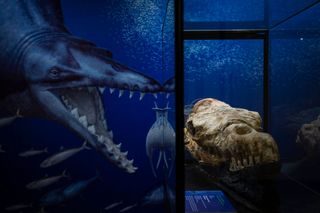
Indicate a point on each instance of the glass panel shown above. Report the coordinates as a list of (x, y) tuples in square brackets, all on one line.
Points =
[(228, 70), (282, 9), (294, 93), (140, 35), (223, 10), (224, 14)]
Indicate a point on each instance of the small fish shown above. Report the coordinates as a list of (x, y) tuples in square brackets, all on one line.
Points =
[(47, 181), (62, 156), (1, 150), (111, 206), (128, 208), (8, 120), (61, 195), (33, 152), (19, 207)]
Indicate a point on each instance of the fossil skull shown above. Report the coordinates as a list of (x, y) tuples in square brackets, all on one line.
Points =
[(309, 137), (218, 134)]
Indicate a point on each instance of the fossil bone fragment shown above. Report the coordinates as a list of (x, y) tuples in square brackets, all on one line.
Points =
[(309, 137)]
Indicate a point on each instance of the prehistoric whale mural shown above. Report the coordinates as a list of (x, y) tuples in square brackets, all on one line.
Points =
[(50, 79), (47, 72)]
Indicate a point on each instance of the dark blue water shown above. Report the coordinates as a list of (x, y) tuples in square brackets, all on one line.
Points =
[(132, 31)]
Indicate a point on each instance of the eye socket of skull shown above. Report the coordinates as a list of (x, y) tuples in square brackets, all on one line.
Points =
[(307, 127), (242, 129), (191, 128)]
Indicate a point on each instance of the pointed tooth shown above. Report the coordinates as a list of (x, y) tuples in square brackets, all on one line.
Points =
[(155, 95), (131, 94), (111, 90), (240, 166), (104, 123), (120, 93), (111, 134), (251, 161), (83, 120), (100, 138), (119, 145), (92, 129), (257, 160), (75, 112), (116, 157), (110, 148), (245, 163), (168, 95), (131, 169), (141, 95), (233, 164), (125, 153), (102, 89)]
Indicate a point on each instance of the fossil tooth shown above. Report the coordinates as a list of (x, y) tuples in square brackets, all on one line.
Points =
[(102, 89), (257, 159), (233, 164), (111, 90), (251, 161), (168, 95), (245, 163)]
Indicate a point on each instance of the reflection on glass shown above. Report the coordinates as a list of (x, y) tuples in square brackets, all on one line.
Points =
[(228, 70)]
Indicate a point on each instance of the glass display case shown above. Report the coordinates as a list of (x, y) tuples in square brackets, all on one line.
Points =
[(241, 58)]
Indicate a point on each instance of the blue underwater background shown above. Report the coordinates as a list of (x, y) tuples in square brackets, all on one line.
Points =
[(132, 31)]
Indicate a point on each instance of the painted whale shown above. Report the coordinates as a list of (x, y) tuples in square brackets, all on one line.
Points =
[(47, 72)]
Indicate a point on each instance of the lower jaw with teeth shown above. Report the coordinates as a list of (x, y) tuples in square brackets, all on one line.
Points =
[(104, 143)]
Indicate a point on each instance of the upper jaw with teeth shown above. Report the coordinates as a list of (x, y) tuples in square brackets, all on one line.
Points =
[(131, 93), (103, 138)]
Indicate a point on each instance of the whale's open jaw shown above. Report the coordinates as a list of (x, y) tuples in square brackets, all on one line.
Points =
[(85, 106)]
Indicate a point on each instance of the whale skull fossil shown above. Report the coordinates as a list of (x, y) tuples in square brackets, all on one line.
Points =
[(218, 134)]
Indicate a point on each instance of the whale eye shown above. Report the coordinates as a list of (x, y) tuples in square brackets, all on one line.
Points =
[(54, 72)]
